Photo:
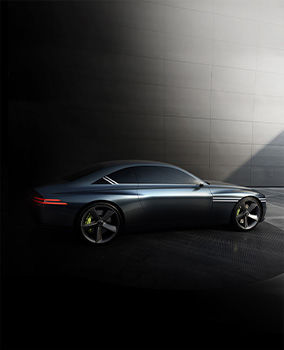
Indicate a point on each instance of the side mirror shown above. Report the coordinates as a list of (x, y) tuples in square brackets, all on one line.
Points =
[(201, 184)]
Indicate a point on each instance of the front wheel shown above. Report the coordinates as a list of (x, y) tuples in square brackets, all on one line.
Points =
[(100, 222), (247, 214)]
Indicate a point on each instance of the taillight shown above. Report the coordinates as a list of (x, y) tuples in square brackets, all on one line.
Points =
[(41, 200)]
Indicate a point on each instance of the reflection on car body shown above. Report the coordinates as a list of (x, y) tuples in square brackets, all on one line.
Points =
[(102, 200)]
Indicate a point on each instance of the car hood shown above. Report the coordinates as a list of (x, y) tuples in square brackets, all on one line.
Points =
[(225, 184)]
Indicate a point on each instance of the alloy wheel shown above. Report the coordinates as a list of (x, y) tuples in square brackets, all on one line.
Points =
[(248, 214), (100, 223)]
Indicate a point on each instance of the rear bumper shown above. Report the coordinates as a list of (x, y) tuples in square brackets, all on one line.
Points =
[(53, 215)]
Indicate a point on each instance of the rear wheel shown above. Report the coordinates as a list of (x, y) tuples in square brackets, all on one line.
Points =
[(100, 223), (247, 214)]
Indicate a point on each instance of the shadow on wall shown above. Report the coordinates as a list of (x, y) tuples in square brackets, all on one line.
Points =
[(71, 102), (266, 165), (90, 82)]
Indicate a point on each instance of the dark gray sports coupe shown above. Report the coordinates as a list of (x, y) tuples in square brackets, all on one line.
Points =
[(109, 196)]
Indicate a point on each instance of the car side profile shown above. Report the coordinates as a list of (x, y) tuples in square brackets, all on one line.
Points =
[(110, 196)]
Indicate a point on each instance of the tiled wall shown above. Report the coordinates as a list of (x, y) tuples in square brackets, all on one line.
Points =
[(198, 83)]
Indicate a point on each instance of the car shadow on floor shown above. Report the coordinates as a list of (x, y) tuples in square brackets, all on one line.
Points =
[(187, 259), (152, 278)]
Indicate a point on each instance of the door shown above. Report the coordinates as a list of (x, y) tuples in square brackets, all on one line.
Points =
[(172, 196), (123, 192)]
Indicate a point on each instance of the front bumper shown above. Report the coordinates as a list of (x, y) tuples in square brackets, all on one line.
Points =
[(263, 202)]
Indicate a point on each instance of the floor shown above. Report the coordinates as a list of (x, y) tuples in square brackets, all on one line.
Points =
[(275, 205), (195, 288), (274, 216), (191, 259)]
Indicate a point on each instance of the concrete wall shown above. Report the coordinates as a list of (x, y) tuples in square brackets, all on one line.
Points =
[(198, 83)]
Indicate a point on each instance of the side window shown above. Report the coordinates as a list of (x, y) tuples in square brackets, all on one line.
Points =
[(124, 176), (162, 175)]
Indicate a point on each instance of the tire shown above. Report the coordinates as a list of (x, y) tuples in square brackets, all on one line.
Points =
[(99, 222), (247, 214)]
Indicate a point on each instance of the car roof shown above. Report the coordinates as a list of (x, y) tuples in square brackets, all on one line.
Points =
[(104, 168), (111, 163)]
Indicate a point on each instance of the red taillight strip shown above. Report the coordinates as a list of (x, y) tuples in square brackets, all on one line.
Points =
[(48, 201), (52, 200), (37, 201), (38, 198), (55, 203)]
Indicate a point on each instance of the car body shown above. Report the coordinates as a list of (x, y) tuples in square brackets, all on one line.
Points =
[(144, 193)]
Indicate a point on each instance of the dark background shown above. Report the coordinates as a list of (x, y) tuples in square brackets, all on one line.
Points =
[(90, 81)]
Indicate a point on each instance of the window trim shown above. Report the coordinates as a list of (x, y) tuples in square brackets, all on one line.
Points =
[(109, 179), (147, 184), (113, 182)]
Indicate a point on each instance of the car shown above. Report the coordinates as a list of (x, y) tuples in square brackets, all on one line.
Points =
[(112, 196)]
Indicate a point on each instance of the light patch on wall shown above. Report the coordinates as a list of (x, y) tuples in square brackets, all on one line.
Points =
[(266, 133)]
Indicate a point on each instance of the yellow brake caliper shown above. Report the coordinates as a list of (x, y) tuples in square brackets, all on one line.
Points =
[(238, 211), (88, 220)]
